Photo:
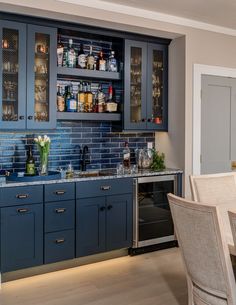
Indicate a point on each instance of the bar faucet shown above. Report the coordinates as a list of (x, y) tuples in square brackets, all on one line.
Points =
[(84, 160)]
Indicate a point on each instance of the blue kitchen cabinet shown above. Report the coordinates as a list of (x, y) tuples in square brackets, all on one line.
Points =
[(119, 222), (146, 86), (12, 75), (90, 226), (28, 76), (104, 219), (21, 237)]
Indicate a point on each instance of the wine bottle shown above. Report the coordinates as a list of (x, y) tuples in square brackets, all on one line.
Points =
[(71, 55), (112, 62), (81, 58), (60, 52), (126, 156), (101, 62), (90, 59), (30, 163)]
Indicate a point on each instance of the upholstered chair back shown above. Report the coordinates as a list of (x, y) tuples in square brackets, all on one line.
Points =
[(205, 252)]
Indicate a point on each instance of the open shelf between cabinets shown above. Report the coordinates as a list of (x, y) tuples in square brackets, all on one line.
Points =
[(75, 72), (73, 116)]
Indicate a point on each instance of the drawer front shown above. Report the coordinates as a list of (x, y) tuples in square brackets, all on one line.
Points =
[(59, 191), (59, 246), (21, 195), (59, 215), (86, 189)]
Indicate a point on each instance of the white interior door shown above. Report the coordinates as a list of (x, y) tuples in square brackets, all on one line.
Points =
[(218, 124)]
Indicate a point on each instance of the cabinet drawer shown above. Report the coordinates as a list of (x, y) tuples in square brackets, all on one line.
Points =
[(59, 246), (59, 216), (21, 195), (59, 191), (103, 187)]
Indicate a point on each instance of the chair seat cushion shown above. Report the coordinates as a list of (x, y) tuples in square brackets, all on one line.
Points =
[(201, 297)]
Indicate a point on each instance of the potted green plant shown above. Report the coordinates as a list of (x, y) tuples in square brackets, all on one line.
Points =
[(158, 160)]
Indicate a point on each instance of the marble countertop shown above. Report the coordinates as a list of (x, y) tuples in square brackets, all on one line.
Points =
[(141, 173)]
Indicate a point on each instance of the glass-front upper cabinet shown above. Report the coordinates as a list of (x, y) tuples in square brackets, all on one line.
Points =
[(135, 85), (146, 88), (41, 77), (12, 76), (157, 88)]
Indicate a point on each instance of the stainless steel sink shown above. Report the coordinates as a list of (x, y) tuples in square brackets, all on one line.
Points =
[(91, 173)]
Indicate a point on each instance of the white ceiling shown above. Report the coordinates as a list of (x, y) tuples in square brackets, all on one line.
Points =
[(217, 12)]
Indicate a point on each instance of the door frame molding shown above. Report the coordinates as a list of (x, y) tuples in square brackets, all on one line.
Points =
[(198, 71)]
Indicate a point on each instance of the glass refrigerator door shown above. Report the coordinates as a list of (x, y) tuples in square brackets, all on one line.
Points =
[(154, 219)]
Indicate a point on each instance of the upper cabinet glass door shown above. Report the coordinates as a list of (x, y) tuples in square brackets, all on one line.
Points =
[(157, 87), (135, 84), (13, 71), (41, 92)]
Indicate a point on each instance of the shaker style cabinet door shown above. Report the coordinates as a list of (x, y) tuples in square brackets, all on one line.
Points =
[(41, 77), (90, 226), (119, 222), (21, 237), (157, 87), (135, 85), (12, 75)]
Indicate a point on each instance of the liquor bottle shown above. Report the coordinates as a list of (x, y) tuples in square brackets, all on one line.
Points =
[(81, 58), (101, 62), (70, 101), (110, 94), (100, 100), (90, 59), (89, 99), (112, 62), (60, 52), (60, 100), (71, 55), (81, 99), (126, 156), (30, 163)]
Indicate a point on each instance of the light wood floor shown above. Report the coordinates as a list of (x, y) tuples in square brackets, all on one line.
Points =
[(155, 278)]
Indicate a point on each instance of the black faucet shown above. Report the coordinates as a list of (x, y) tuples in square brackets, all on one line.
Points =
[(84, 159)]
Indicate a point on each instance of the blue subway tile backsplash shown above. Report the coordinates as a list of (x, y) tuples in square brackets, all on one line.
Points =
[(105, 146)]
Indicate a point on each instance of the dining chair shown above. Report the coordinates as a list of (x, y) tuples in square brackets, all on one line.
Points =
[(216, 188), (220, 190), (204, 251)]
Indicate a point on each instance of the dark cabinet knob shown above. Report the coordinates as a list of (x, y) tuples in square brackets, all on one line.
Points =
[(60, 240), (102, 209), (143, 120), (149, 120), (21, 117), (30, 117), (109, 207)]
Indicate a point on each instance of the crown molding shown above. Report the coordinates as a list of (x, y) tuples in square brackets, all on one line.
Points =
[(137, 12)]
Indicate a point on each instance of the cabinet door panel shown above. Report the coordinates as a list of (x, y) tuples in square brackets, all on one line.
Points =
[(12, 75), (119, 221), (135, 85), (157, 87), (21, 237), (41, 77), (90, 226)]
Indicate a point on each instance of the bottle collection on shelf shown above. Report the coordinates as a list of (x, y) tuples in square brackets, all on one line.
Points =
[(71, 58), (80, 98)]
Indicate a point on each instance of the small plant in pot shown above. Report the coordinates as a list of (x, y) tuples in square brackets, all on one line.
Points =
[(158, 160)]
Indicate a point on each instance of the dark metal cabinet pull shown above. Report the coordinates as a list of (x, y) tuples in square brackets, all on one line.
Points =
[(30, 117), (102, 209), (21, 117), (105, 187), (22, 210), (60, 192), (109, 207), (60, 240), (22, 196), (60, 210)]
